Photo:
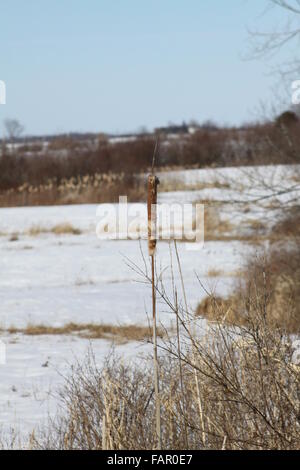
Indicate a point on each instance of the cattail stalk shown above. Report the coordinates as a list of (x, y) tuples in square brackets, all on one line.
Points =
[(152, 239)]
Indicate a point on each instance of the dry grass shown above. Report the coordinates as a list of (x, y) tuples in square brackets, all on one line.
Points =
[(218, 229), (248, 394), (88, 189), (36, 230), (14, 237), (218, 273), (223, 310), (289, 225), (295, 178), (214, 273), (255, 224), (214, 226), (117, 333), (60, 229), (65, 228), (273, 281)]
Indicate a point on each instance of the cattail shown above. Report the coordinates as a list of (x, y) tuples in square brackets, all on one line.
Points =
[(152, 222), (152, 227)]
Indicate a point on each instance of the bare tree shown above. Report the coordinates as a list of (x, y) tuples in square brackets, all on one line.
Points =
[(279, 136), (13, 129), (287, 34)]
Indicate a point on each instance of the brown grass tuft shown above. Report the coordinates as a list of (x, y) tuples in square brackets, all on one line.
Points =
[(271, 284), (214, 273), (289, 226), (117, 333), (65, 229), (14, 237), (217, 309), (60, 229)]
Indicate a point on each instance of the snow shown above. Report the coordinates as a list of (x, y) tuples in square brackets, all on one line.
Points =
[(76, 278), (36, 367), (81, 280), (54, 279)]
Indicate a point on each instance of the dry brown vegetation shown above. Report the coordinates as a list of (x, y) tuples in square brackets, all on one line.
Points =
[(214, 273), (36, 230), (99, 188), (60, 229), (117, 333), (273, 279), (288, 228), (215, 228), (59, 174), (248, 397), (249, 381), (232, 385), (256, 225), (272, 282), (219, 273), (14, 237)]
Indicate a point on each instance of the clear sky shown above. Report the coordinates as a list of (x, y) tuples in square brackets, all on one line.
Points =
[(117, 65)]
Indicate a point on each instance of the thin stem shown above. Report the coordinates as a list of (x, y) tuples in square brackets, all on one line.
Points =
[(156, 366)]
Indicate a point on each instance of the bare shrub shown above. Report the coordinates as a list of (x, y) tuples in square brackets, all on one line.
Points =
[(289, 225), (270, 286), (249, 389), (248, 386)]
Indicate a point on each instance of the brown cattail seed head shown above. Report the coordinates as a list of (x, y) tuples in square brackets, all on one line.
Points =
[(153, 181)]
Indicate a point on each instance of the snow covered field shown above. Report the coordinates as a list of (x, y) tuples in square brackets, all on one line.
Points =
[(50, 279)]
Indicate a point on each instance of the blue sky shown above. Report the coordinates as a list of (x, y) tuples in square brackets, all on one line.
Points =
[(117, 65)]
